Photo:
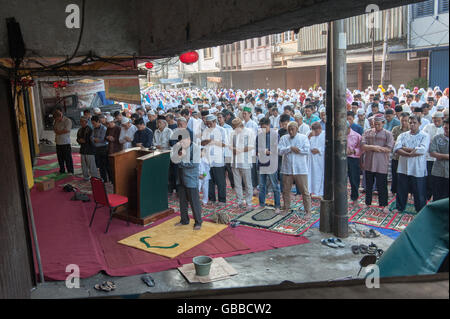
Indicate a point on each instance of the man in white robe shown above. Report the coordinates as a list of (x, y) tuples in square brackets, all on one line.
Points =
[(316, 160)]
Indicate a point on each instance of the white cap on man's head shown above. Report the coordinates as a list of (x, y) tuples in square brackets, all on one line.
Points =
[(125, 120), (360, 112), (97, 110)]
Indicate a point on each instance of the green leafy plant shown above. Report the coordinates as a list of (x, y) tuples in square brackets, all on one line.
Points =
[(419, 82)]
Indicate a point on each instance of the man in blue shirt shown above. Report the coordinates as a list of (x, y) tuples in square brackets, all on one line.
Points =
[(355, 127), (310, 118), (391, 120), (143, 136), (98, 138)]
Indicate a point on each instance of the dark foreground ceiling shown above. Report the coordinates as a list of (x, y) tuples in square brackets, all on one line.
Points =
[(160, 28)]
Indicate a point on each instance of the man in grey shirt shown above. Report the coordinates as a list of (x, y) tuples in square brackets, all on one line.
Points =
[(98, 138), (439, 150), (62, 128)]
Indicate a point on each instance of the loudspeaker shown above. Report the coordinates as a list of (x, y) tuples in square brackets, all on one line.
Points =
[(15, 40)]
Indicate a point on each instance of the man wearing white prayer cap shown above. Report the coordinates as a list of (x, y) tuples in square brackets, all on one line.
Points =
[(127, 133)]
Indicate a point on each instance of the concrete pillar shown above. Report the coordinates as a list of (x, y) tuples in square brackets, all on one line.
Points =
[(326, 205), (340, 219)]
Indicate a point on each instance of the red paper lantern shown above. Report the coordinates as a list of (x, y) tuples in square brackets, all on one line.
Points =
[(189, 57), (149, 65)]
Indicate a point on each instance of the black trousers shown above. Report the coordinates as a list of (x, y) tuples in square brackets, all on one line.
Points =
[(430, 180), (381, 182), (102, 162), (189, 196), (255, 176), (417, 186), (440, 188), (229, 174), (173, 172), (217, 178), (64, 155), (394, 167), (354, 173)]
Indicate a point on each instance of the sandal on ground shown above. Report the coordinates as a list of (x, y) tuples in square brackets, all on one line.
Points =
[(326, 241), (110, 284), (379, 252), (363, 249), (149, 281), (372, 249), (102, 287), (336, 241), (369, 233), (355, 249)]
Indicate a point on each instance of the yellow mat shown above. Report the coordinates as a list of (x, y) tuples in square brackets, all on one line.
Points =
[(169, 240)]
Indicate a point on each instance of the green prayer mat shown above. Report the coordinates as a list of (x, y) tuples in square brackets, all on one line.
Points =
[(56, 176), (47, 167)]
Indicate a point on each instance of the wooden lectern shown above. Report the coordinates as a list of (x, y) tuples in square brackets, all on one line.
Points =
[(142, 175)]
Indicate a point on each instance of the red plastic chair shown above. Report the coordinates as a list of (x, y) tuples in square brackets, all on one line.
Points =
[(103, 199)]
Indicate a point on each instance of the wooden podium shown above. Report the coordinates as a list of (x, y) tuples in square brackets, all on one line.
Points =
[(142, 175)]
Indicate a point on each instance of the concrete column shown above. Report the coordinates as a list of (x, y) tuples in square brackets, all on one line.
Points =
[(326, 205), (340, 219)]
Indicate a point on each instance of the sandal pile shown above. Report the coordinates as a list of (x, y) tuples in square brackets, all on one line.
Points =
[(372, 249), (106, 286)]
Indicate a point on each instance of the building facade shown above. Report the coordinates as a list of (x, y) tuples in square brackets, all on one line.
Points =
[(417, 48)]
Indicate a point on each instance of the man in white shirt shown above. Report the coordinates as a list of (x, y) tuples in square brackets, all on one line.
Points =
[(361, 120), (412, 147), (242, 144), (252, 125), (432, 130), (275, 118), (295, 149), (316, 160), (127, 133), (419, 113), (162, 135), (302, 127), (214, 139)]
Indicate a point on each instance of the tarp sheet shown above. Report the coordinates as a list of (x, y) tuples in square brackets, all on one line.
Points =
[(422, 246)]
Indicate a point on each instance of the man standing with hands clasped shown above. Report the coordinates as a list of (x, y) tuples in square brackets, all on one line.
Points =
[(376, 144), (412, 146), (295, 149)]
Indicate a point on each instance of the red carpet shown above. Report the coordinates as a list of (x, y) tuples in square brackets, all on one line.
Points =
[(65, 238)]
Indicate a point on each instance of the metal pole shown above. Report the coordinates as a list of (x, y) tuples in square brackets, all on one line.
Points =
[(386, 33), (372, 35), (339, 63), (326, 205)]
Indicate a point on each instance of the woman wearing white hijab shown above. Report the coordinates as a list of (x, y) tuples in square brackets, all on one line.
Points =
[(401, 90)]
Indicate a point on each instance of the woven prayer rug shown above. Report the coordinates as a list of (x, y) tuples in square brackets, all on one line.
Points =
[(169, 240), (54, 176), (47, 167), (51, 157), (261, 217)]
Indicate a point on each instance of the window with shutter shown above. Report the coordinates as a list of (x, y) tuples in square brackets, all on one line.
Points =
[(423, 9), (443, 6)]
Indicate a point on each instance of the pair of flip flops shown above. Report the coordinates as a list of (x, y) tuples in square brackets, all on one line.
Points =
[(105, 286), (333, 242)]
